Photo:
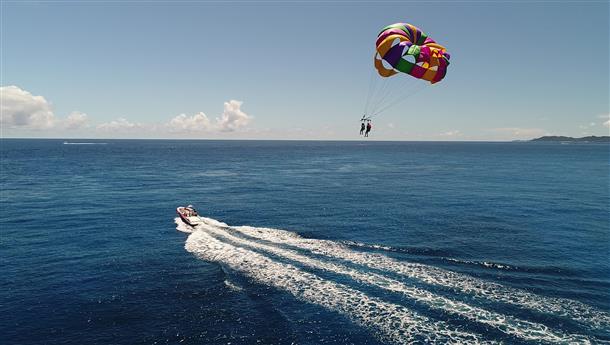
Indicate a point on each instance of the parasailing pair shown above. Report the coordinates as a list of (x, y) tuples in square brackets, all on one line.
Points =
[(406, 53)]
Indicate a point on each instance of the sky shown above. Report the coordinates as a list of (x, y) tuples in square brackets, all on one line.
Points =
[(299, 70)]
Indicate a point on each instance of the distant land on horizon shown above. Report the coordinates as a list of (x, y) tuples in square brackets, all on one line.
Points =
[(589, 139)]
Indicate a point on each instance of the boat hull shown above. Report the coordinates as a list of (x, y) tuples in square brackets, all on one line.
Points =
[(192, 220)]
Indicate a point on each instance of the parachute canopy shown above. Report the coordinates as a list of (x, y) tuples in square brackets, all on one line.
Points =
[(397, 42)]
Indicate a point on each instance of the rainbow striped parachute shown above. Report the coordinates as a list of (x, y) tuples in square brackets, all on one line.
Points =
[(398, 43)]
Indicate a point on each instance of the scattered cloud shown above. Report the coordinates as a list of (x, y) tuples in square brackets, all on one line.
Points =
[(21, 109), (76, 120), (196, 123), (233, 118), (119, 125), (453, 133)]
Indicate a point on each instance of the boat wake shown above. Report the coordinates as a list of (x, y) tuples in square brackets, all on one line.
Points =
[(398, 301), (83, 143)]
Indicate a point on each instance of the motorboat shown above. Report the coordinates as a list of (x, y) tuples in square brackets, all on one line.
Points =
[(189, 215)]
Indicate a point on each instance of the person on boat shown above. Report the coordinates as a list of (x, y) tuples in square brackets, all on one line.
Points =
[(362, 127), (368, 128), (190, 211)]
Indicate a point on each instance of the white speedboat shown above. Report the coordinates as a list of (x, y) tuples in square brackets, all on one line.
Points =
[(189, 215)]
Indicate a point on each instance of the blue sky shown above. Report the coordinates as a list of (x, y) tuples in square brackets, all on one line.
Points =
[(298, 70)]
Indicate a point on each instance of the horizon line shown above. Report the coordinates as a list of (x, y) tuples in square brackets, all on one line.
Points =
[(313, 140)]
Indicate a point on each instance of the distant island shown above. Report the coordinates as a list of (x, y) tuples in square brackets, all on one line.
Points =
[(589, 139)]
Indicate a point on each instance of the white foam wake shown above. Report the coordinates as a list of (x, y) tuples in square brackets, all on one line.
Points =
[(182, 227), (462, 283), (83, 143), (273, 257), (389, 321), (505, 323)]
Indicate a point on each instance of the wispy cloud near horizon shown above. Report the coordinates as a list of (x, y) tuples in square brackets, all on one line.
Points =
[(76, 120), (185, 124), (119, 125)]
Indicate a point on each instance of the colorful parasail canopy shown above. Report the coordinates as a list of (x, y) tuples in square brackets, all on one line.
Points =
[(398, 43)]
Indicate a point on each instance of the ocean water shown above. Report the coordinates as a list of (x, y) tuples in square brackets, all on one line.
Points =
[(304, 242)]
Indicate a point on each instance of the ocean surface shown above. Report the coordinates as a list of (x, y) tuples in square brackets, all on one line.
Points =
[(304, 242)]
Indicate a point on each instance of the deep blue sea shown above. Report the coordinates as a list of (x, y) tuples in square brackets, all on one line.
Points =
[(304, 242)]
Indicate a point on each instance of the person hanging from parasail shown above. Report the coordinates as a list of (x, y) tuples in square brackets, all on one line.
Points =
[(368, 128)]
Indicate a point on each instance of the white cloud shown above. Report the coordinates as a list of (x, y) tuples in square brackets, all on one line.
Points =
[(196, 123), (233, 118), (21, 109), (454, 133), (76, 120), (119, 125), (607, 123)]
